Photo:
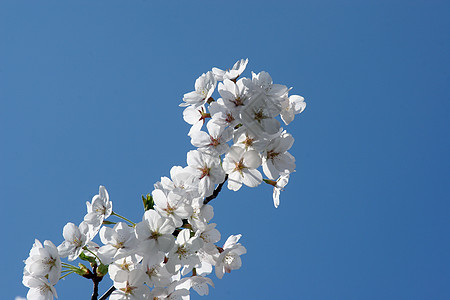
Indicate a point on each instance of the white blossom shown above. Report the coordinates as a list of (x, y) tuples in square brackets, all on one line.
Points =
[(75, 239), (44, 261), (204, 88), (241, 165), (233, 73)]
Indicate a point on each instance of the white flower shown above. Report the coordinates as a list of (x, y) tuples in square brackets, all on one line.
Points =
[(259, 116), (195, 116), (44, 261), (222, 115), (130, 286), (292, 106), (201, 214), (171, 206), (128, 263), (157, 274), (278, 186), (281, 183), (155, 231), (204, 88), (215, 140), (183, 254), (241, 168), (75, 239), (40, 288), (276, 159), (99, 209), (180, 182), (169, 293), (235, 95), (197, 283), (206, 168), (275, 92), (119, 242), (229, 259), (248, 140), (234, 73)]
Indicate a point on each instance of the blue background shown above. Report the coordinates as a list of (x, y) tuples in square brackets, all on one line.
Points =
[(89, 94)]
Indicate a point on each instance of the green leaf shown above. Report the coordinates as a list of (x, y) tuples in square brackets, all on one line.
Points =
[(87, 258), (148, 202), (102, 270)]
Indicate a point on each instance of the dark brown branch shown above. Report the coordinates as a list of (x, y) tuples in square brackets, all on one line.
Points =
[(108, 293), (96, 280), (216, 191)]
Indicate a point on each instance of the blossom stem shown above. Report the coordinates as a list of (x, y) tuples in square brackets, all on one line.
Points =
[(123, 218), (85, 248), (70, 272)]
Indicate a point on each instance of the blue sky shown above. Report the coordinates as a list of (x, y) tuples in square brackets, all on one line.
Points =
[(89, 94)]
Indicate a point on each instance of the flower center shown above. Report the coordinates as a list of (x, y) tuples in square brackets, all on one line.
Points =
[(205, 171)]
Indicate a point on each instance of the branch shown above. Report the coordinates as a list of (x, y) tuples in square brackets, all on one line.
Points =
[(207, 199), (95, 279), (216, 191), (108, 293)]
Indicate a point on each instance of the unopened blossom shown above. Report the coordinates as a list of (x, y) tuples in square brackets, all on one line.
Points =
[(229, 259), (204, 88), (233, 73), (205, 167), (99, 209), (40, 288), (276, 159), (292, 106), (44, 261), (241, 167), (215, 140), (155, 231), (75, 239)]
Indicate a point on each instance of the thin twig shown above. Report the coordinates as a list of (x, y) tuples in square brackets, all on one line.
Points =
[(216, 191)]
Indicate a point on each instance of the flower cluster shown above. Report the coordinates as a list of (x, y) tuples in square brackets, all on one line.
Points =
[(174, 248)]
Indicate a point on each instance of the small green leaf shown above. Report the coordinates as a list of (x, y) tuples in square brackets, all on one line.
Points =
[(148, 202), (102, 270), (87, 258)]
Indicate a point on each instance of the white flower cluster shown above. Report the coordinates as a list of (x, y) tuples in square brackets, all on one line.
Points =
[(173, 248)]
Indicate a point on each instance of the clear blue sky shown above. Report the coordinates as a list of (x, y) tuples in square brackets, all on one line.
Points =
[(89, 94)]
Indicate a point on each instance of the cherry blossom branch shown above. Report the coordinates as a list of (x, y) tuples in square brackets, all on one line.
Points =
[(108, 293), (216, 191)]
